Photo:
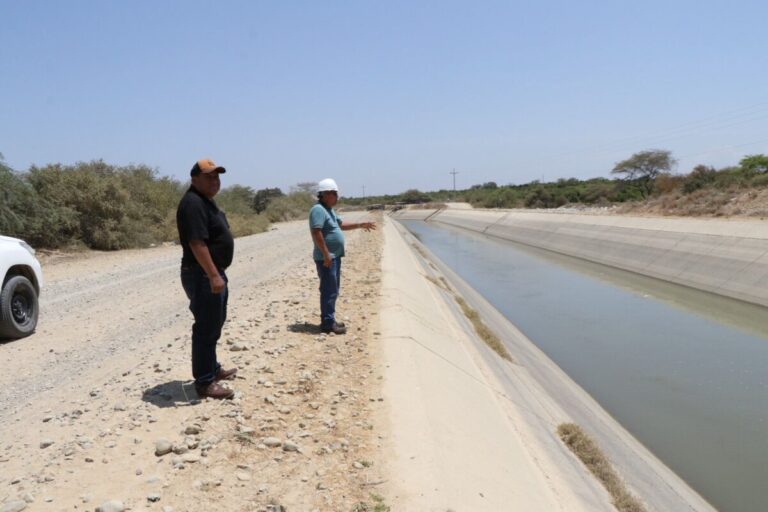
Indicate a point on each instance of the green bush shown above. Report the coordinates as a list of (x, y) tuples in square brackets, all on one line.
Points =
[(262, 198), (247, 224), (295, 205), (701, 176), (237, 202), (236, 199), (109, 207), (754, 164), (25, 214), (105, 207)]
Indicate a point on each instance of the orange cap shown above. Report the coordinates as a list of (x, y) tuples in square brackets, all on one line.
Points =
[(205, 166)]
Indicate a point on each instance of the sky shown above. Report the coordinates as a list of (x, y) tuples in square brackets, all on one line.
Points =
[(382, 96)]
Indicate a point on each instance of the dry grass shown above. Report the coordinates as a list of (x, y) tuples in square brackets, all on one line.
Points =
[(589, 453), (244, 439), (439, 282), (378, 505), (419, 250), (707, 202), (482, 330), (244, 225)]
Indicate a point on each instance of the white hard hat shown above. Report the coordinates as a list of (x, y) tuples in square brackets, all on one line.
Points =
[(327, 185)]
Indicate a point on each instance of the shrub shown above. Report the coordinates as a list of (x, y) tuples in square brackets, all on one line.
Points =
[(24, 214), (666, 183), (755, 164), (112, 207), (701, 176), (236, 199), (598, 464), (414, 196), (295, 205), (247, 224), (262, 198)]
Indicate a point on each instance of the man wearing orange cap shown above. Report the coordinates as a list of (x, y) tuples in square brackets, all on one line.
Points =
[(208, 248)]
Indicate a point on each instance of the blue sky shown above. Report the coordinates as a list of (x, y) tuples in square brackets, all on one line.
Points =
[(382, 95)]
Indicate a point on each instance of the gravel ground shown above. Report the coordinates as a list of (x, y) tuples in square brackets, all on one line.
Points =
[(104, 381)]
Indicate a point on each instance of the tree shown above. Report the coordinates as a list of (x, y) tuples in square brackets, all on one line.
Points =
[(305, 187), (413, 195), (263, 196), (487, 185), (755, 163), (701, 176), (645, 166), (236, 199)]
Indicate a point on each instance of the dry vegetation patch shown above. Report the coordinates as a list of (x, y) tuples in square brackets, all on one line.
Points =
[(486, 334), (589, 453)]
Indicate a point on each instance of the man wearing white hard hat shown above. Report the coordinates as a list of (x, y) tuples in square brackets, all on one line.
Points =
[(326, 228)]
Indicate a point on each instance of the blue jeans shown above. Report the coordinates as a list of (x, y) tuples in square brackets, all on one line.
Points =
[(330, 284), (210, 312)]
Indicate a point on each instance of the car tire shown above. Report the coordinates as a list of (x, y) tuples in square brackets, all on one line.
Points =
[(19, 308)]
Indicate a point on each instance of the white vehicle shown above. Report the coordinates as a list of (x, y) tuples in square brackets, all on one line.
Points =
[(21, 284)]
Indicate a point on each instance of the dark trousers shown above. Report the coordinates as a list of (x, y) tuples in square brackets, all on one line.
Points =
[(210, 312), (330, 284)]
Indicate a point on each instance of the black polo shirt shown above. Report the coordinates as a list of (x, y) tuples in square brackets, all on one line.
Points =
[(198, 218)]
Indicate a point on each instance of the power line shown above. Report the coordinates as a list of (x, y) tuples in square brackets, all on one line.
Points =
[(721, 148), (728, 119)]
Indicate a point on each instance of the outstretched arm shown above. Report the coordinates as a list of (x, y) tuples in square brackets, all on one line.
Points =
[(346, 226)]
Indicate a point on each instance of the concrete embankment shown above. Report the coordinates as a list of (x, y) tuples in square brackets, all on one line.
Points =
[(457, 441), (469, 430), (726, 257)]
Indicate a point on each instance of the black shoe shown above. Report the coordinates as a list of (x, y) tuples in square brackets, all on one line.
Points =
[(335, 329)]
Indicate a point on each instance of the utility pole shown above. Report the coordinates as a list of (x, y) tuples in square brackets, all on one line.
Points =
[(363, 192), (454, 179)]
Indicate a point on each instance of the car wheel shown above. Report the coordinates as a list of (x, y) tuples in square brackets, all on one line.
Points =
[(18, 308)]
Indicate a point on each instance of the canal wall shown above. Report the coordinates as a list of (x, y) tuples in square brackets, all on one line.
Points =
[(438, 375), (726, 257)]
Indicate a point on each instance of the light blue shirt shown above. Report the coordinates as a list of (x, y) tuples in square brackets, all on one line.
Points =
[(326, 219)]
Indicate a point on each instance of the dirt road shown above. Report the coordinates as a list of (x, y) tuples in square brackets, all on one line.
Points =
[(105, 379)]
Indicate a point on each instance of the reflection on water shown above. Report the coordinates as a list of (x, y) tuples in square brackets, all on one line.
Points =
[(685, 371)]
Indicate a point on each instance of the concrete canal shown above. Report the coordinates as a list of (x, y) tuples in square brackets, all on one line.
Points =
[(685, 371)]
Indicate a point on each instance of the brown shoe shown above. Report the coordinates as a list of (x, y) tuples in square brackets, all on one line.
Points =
[(225, 374), (214, 390), (335, 329)]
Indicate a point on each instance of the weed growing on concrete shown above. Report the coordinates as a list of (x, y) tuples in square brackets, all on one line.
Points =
[(589, 453), (488, 336), (482, 330), (419, 250)]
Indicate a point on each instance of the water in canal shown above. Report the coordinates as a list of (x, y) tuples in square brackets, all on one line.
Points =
[(685, 371)]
